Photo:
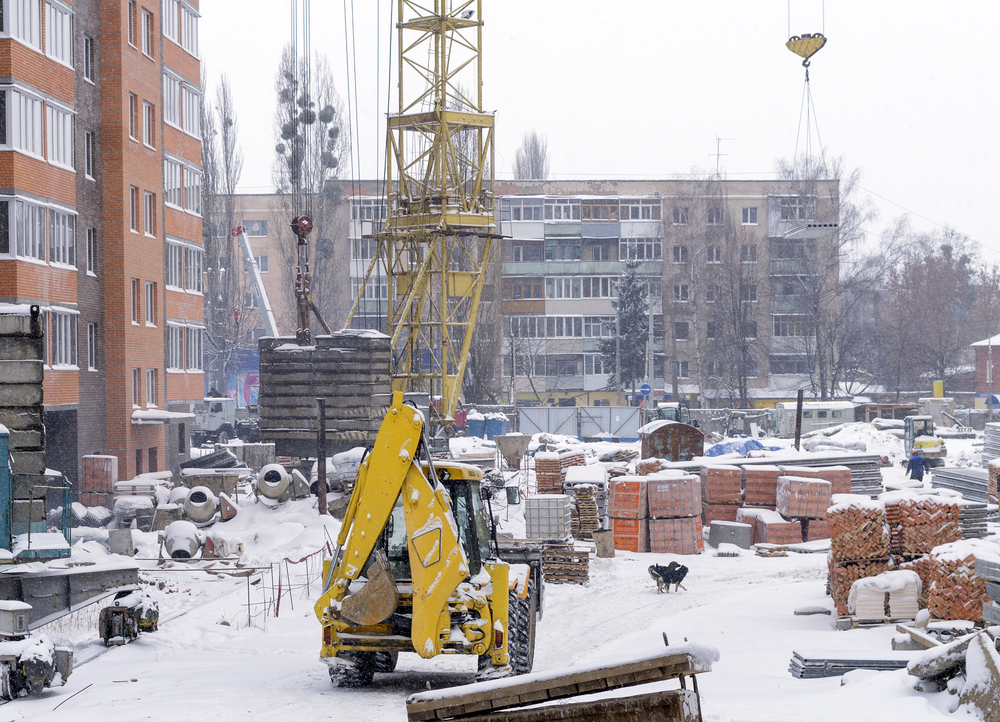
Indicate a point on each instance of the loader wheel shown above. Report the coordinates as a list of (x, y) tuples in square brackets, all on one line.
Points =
[(361, 675), (385, 661), (521, 624)]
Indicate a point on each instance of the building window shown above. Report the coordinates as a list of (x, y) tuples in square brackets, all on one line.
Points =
[(714, 330), (516, 289), (599, 209), (598, 326), (153, 461), (640, 249), (92, 346), (150, 213), (602, 252), (750, 216), (714, 254), (640, 209), (91, 251), (194, 339), (133, 116), (797, 209), (682, 369), (150, 303), (715, 216), (192, 191), (528, 252), (524, 209), (748, 293), (362, 249), (133, 207), (148, 124), (175, 266), (564, 326), (368, 209), (562, 209), (680, 254), (138, 452), (751, 368), (192, 269), (88, 154), (797, 325), (171, 100), (171, 183), (192, 117), (29, 227), (257, 229), (712, 368), (680, 215), (26, 21), (63, 339), (796, 364), (150, 387), (62, 238), (748, 254), (147, 33), (135, 300), (58, 34), (135, 401), (682, 330), (713, 293), (372, 292), (681, 293), (750, 330), (170, 19), (261, 262), (88, 59), (26, 121), (593, 365), (175, 348), (60, 137), (190, 30)]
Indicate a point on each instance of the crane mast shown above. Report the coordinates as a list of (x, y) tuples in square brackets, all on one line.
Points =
[(439, 235)]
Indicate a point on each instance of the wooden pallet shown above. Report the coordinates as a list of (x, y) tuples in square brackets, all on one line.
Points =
[(486, 697), (562, 564)]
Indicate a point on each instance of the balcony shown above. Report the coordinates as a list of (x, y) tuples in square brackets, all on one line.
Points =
[(578, 268)]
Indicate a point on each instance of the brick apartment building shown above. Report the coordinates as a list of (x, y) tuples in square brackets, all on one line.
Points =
[(100, 223)]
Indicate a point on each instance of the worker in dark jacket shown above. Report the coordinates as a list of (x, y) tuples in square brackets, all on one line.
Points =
[(917, 466)]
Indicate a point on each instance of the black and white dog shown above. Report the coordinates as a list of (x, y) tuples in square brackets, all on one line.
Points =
[(673, 573)]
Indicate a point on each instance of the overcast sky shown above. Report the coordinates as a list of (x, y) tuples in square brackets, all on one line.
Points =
[(906, 91)]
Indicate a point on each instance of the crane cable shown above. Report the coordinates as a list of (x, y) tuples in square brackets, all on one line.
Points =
[(805, 46)]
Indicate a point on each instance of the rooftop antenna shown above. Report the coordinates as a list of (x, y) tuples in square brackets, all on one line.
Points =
[(718, 152)]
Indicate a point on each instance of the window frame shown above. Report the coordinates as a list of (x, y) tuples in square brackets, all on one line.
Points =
[(194, 338), (148, 124), (88, 155), (133, 117), (59, 22), (147, 33), (92, 347), (63, 347), (749, 216), (59, 136), (88, 59), (193, 265), (682, 331), (680, 254), (134, 209), (135, 389), (62, 238), (192, 190), (714, 216), (92, 252), (135, 302), (680, 216), (171, 21), (748, 253), (189, 28), (713, 254), (131, 20), (33, 37), (150, 306), (149, 214), (151, 388), (191, 110), (175, 347), (172, 97)]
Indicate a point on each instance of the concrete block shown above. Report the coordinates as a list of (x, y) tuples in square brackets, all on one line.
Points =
[(27, 418), (26, 439), (13, 324), (120, 542), (28, 462), (20, 395), (730, 532), (27, 371), (21, 347), (21, 509)]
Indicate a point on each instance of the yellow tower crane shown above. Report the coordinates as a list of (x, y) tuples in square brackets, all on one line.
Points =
[(439, 235)]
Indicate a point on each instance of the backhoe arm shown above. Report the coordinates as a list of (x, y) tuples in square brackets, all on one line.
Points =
[(437, 562)]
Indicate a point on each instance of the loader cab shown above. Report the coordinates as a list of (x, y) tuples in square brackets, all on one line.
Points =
[(462, 481)]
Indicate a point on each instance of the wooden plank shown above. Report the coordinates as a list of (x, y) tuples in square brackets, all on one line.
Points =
[(925, 640)]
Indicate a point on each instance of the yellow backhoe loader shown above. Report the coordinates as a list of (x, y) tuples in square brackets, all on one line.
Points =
[(417, 566)]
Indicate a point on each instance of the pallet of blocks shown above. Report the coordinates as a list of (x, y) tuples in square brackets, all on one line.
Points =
[(629, 513), (721, 493), (584, 520), (989, 570), (570, 458), (956, 592), (676, 536), (844, 574), (769, 527), (920, 522), (838, 476), (799, 497), (760, 485), (674, 505), (991, 485), (892, 595), (562, 564), (593, 475), (548, 473), (859, 544)]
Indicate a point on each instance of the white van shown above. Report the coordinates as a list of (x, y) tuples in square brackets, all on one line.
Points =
[(815, 415)]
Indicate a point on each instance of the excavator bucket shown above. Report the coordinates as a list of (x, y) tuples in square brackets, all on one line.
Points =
[(376, 600)]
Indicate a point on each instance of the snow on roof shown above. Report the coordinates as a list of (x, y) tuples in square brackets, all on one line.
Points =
[(359, 332), (157, 416), (991, 341), (15, 309)]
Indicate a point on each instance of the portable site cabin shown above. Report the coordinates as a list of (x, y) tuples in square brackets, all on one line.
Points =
[(815, 415)]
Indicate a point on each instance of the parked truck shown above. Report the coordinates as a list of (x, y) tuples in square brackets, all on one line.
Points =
[(216, 421), (417, 567)]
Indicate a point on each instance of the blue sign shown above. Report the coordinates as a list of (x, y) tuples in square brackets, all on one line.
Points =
[(646, 389)]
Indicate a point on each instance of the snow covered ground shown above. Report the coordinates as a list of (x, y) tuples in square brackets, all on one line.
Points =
[(215, 657)]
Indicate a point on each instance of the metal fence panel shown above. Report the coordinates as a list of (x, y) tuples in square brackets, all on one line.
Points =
[(625, 422), (595, 421), (562, 420), (533, 420), (547, 420)]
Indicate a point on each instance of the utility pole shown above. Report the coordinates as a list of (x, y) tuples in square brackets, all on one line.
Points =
[(618, 355)]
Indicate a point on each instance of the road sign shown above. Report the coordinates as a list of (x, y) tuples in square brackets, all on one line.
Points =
[(646, 389)]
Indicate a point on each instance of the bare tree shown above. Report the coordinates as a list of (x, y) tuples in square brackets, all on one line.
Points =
[(531, 161), (231, 317), (312, 132)]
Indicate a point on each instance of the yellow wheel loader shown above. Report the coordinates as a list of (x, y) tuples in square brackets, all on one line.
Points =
[(417, 568)]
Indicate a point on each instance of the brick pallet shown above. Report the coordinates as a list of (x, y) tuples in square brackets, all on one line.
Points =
[(803, 498), (584, 519), (722, 484), (630, 535), (548, 473), (760, 485), (955, 590), (676, 536), (97, 484), (562, 564), (769, 527), (838, 476), (923, 566), (844, 574), (673, 497), (858, 531), (628, 497), (817, 529), (646, 467), (917, 524), (718, 512)]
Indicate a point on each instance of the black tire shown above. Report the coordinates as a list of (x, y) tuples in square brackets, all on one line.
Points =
[(361, 675), (521, 625), (225, 434), (385, 661)]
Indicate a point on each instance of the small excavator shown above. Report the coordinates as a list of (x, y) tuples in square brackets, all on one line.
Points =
[(417, 566)]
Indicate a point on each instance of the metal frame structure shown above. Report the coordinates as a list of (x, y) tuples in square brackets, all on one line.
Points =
[(439, 235)]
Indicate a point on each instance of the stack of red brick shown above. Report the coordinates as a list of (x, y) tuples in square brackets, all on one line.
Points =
[(954, 590), (917, 523), (97, 484), (859, 545), (721, 492), (674, 505), (645, 467), (657, 513), (769, 527), (802, 498), (548, 473)]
